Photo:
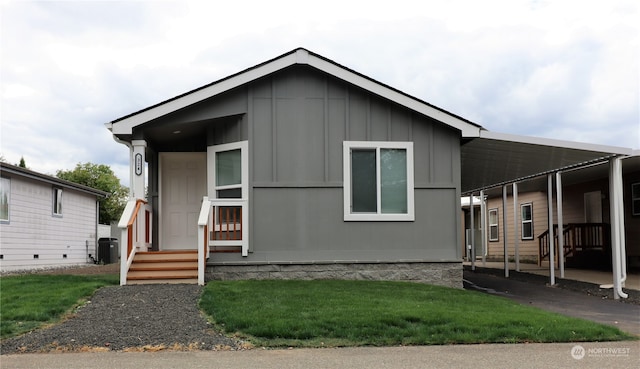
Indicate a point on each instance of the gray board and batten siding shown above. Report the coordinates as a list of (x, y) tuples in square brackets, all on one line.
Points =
[(296, 121)]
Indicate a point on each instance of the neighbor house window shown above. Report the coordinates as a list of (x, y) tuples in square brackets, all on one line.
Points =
[(5, 199), (378, 181), (526, 217), (493, 224), (57, 201), (635, 198)]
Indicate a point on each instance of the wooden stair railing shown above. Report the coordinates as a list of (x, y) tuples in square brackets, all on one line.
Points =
[(577, 237)]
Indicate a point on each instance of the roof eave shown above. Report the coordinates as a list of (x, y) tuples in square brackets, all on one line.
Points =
[(125, 125)]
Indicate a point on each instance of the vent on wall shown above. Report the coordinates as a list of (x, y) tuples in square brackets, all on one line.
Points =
[(36, 256)]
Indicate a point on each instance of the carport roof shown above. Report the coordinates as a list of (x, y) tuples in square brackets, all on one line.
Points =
[(494, 159)]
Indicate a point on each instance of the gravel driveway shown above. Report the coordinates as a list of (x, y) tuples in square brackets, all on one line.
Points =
[(138, 317)]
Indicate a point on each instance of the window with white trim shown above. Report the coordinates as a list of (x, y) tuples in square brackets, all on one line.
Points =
[(57, 201), (5, 199), (378, 181), (526, 217), (493, 225)]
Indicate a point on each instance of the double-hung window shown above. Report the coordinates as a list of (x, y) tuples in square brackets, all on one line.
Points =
[(526, 217), (378, 181), (493, 225), (57, 201), (5, 199)]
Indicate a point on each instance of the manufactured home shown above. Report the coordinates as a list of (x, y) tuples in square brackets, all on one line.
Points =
[(300, 167), (45, 222)]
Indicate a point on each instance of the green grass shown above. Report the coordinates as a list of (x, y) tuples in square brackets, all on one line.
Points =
[(30, 301), (356, 313)]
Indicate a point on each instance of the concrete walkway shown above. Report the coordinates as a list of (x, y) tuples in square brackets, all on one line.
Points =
[(566, 355), (598, 277)]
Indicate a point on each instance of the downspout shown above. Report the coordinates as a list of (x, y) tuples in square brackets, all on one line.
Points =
[(617, 227), (130, 146)]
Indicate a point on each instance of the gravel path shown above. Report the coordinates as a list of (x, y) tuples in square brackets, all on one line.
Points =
[(138, 317)]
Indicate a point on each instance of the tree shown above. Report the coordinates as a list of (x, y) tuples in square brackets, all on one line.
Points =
[(101, 177), (22, 163)]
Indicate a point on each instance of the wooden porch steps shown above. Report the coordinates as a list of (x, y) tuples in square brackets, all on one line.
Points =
[(175, 266)]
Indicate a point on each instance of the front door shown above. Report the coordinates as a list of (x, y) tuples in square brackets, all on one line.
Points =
[(593, 207), (183, 184)]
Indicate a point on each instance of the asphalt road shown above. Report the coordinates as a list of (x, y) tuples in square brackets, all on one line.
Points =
[(566, 355)]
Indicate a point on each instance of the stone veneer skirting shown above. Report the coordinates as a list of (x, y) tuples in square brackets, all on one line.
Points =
[(442, 274)]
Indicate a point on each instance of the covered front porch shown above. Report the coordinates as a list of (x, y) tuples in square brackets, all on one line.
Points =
[(220, 228)]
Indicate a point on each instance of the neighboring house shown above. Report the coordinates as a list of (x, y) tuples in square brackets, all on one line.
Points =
[(586, 219), (45, 221), (302, 168)]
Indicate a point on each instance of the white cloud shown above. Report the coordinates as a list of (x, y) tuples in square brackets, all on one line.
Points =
[(564, 69)]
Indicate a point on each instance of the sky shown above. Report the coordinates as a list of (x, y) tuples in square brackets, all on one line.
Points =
[(562, 69)]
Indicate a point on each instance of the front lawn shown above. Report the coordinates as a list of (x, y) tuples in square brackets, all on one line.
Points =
[(30, 301), (355, 313)]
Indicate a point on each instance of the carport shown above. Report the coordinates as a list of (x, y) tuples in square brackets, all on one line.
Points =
[(496, 162)]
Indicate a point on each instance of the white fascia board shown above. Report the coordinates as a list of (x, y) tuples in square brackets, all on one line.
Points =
[(556, 143), (301, 56), (467, 129), (125, 126)]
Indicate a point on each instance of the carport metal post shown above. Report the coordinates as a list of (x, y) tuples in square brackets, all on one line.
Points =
[(472, 233), (483, 227), (515, 225), (504, 230), (552, 245), (560, 223)]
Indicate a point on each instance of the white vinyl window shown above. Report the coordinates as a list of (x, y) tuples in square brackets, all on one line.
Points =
[(57, 201), (526, 217), (5, 199), (493, 225), (378, 181)]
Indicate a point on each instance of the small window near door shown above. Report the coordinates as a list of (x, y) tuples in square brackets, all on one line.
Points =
[(526, 217), (229, 174), (493, 225), (5, 199), (57, 202), (635, 198)]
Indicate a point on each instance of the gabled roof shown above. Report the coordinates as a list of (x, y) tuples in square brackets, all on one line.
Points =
[(27, 173), (300, 56)]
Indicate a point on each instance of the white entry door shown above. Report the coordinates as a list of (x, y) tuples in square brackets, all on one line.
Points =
[(183, 183)]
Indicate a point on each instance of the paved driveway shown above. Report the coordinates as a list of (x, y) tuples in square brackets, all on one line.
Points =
[(581, 305)]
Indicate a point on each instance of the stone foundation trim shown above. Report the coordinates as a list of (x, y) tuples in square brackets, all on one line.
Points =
[(448, 274)]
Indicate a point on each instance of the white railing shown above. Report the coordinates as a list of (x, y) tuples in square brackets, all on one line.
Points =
[(221, 223), (135, 229)]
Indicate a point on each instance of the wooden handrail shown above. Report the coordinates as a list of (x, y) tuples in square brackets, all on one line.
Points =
[(577, 237), (132, 221)]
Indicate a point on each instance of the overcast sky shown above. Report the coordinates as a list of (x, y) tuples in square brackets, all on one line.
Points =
[(561, 69)]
